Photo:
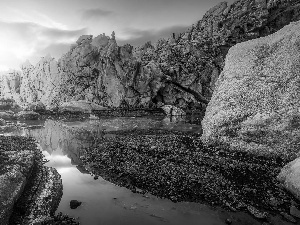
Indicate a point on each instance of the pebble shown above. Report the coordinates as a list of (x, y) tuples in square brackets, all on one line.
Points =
[(74, 204)]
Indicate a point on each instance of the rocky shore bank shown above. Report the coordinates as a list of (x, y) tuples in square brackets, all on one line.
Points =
[(30, 192), (178, 166)]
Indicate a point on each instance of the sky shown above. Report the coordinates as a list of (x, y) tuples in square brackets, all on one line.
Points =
[(30, 29)]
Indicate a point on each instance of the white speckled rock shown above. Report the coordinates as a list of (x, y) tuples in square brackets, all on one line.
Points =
[(256, 103), (171, 110), (290, 177)]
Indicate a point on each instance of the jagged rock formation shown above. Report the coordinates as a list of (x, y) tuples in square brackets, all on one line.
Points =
[(41, 82), (10, 85), (180, 71), (256, 104), (290, 175)]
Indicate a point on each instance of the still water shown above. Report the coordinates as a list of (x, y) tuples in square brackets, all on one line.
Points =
[(104, 203)]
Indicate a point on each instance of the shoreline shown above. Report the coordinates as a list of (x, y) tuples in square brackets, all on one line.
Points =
[(168, 164), (177, 166)]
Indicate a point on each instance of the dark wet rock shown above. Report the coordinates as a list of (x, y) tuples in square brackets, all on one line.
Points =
[(288, 217), (7, 115), (28, 115), (126, 112), (75, 204), (228, 221), (294, 211)]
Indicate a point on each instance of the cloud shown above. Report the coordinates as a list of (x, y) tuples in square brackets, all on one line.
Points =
[(20, 41), (138, 37), (95, 13)]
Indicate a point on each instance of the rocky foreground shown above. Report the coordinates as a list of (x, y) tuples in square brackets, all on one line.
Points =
[(178, 166), (29, 192)]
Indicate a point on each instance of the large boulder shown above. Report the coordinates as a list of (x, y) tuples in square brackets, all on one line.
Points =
[(290, 177), (256, 104)]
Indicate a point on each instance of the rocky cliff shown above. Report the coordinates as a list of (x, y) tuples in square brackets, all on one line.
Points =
[(181, 70)]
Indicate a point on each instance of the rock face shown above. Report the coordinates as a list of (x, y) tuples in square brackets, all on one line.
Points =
[(10, 85), (41, 82), (179, 71), (290, 177), (256, 102)]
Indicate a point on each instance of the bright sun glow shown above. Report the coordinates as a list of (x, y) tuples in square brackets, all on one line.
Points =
[(3, 68)]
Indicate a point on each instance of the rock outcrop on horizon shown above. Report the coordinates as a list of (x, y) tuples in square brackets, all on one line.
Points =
[(180, 71)]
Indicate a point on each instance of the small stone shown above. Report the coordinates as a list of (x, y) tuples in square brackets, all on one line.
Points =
[(74, 204), (294, 211), (96, 177), (228, 221)]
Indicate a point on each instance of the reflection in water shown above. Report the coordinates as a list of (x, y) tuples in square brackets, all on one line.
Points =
[(104, 202)]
